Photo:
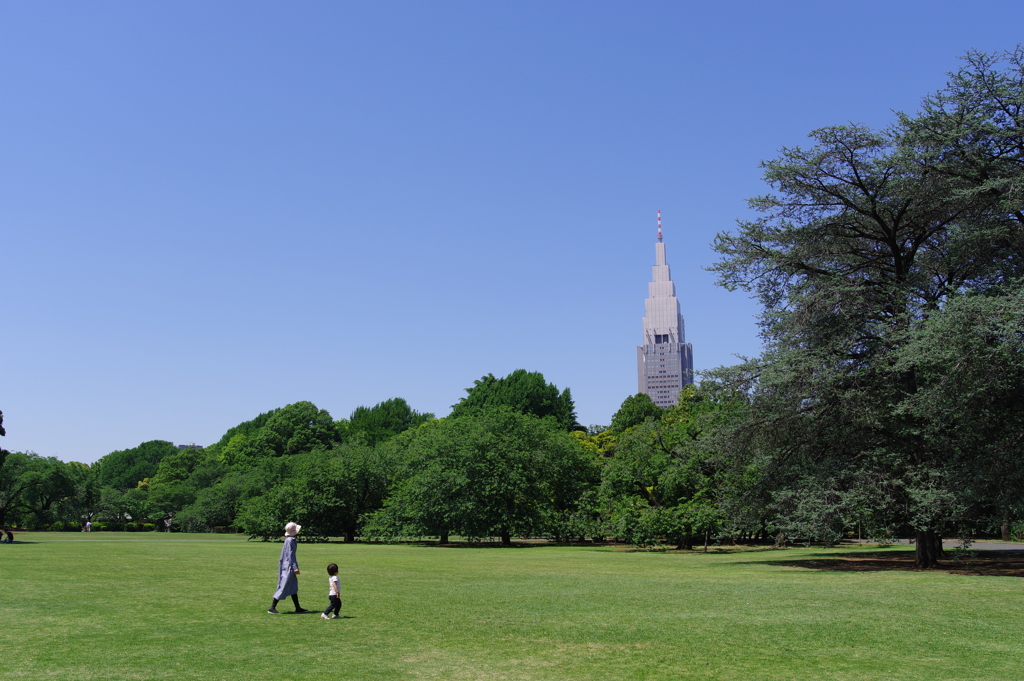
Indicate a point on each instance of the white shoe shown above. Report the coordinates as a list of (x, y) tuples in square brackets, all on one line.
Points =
[(324, 617)]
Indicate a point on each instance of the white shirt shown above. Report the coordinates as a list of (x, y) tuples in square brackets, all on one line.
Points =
[(335, 586)]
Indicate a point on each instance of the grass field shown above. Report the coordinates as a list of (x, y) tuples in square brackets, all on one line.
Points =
[(149, 606)]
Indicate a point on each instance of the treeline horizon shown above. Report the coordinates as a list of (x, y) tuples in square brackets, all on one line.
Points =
[(889, 266), (509, 461), (202, 488)]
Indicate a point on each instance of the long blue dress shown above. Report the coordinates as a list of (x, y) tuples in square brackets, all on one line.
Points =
[(287, 582)]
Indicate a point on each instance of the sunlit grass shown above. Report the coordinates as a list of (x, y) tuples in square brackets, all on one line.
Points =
[(147, 606)]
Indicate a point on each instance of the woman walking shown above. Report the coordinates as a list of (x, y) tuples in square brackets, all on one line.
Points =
[(288, 570)]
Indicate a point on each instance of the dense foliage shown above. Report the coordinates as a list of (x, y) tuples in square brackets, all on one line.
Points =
[(523, 391), (495, 473), (508, 466)]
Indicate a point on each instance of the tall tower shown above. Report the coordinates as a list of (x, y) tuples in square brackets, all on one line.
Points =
[(664, 363)]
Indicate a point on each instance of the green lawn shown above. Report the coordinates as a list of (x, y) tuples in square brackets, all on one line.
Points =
[(147, 606)]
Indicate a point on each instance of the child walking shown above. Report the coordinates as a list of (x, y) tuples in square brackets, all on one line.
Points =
[(334, 594)]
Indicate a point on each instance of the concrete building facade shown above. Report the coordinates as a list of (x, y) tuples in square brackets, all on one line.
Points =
[(665, 360)]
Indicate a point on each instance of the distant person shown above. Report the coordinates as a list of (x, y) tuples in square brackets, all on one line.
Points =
[(288, 571), (333, 594), (10, 537), (88, 526)]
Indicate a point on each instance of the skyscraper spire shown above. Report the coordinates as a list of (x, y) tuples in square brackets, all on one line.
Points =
[(659, 224)]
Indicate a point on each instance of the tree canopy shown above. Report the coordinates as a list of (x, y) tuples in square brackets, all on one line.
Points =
[(526, 392), (383, 420), (125, 468), (635, 410), (289, 430)]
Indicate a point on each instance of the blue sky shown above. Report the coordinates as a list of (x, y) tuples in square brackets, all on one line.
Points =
[(209, 210)]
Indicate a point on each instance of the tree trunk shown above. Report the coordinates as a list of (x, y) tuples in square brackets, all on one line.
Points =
[(506, 538), (350, 536), (928, 550), (443, 539), (1005, 531)]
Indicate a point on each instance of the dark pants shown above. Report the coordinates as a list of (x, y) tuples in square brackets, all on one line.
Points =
[(335, 605)]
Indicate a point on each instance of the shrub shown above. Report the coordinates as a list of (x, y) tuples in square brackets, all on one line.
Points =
[(62, 526)]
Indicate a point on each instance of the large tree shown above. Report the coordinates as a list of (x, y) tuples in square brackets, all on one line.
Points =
[(328, 492), (173, 487), (866, 239), (88, 497), (12, 483), (48, 482), (664, 481), (497, 473)]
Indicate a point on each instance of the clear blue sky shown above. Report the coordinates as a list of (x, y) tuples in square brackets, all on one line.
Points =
[(209, 210)]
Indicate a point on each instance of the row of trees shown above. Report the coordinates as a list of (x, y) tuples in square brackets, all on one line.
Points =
[(890, 268), (510, 461), (509, 437)]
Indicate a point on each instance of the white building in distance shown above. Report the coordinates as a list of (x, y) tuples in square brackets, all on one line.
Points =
[(664, 362)]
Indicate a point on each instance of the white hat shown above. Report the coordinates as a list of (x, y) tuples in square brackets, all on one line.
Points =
[(291, 529)]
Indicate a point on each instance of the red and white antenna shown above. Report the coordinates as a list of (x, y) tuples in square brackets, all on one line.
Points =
[(659, 224)]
